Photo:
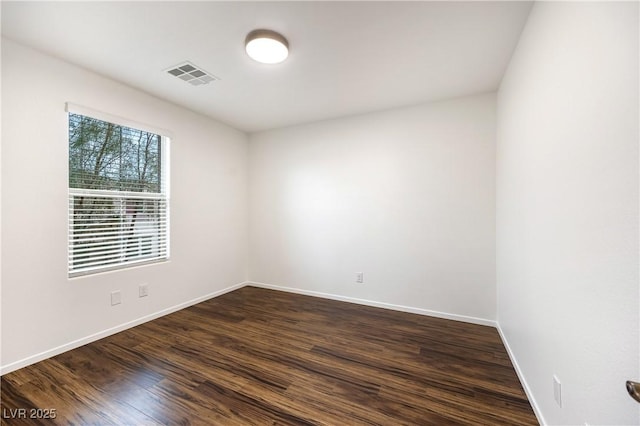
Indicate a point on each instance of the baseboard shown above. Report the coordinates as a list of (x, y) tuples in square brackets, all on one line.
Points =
[(523, 381), (401, 308), (105, 333)]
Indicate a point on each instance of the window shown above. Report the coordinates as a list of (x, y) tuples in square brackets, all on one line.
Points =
[(118, 195)]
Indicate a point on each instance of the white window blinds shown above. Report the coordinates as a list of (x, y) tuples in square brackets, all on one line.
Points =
[(118, 196)]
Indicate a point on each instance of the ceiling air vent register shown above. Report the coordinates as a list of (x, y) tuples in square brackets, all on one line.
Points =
[(192, 74)]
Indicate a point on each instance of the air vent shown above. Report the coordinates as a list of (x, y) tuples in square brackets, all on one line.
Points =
[(192, 74)]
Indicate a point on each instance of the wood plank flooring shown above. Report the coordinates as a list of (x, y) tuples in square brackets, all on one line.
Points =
[(262, 357)]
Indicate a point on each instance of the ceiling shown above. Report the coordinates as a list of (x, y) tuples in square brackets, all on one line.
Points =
[(346, 58)]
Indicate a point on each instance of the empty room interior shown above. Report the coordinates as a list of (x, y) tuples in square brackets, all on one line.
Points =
[(320, 213)]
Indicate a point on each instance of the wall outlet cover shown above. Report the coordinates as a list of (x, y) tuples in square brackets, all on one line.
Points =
[(116, 298), (557, 391), (143, 290)]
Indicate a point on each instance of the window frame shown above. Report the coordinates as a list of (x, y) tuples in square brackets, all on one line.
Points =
[(162, 197)]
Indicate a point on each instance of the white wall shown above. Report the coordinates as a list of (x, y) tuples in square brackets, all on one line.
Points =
[(405, 196), (567, 209), (41, 308)]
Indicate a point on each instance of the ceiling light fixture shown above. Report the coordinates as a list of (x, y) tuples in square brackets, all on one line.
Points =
[(266, 46)]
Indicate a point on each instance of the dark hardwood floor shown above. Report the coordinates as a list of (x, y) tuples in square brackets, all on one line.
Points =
[(257, 356)]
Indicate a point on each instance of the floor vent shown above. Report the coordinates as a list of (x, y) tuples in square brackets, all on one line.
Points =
[(192, 74)]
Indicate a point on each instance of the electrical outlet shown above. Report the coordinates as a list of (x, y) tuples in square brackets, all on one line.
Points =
[(143, 290), (116, 298), (557, 390), (359, 277)]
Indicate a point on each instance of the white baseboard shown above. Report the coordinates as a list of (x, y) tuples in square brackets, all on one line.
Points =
[(523, 381), (409, 309), (105, 333)]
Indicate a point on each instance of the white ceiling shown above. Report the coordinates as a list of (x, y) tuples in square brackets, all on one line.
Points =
[(345, 58)]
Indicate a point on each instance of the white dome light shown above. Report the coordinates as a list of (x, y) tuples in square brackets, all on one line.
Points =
[(266, 46)]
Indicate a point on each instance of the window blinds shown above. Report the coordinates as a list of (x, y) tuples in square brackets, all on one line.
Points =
[(118, 197)]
